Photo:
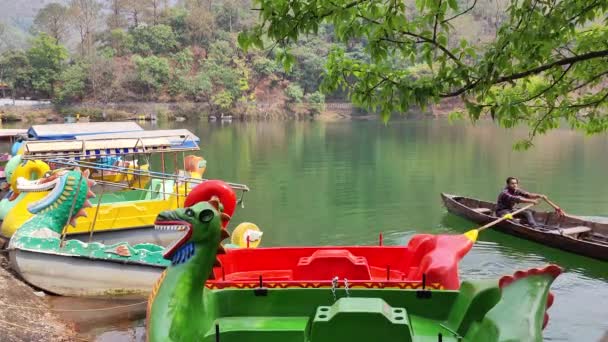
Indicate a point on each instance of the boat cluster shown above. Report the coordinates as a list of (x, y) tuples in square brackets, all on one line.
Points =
[(87, 213)]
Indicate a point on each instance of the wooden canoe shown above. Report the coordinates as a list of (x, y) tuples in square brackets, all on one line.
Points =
[(567, 233)]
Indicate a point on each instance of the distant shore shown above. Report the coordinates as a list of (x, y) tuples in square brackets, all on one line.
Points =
[(43, 111)]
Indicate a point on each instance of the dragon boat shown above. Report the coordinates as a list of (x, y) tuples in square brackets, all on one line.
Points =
[(44, 256), (114, 216), (512, 308)]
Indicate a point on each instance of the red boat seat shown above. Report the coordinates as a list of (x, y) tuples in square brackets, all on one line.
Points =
[(380, 274), (329, 263)]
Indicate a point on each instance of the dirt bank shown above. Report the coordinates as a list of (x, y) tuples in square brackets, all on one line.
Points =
[(24, 316)]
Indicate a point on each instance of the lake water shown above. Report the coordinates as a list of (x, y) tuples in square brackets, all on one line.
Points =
[(315, 183)]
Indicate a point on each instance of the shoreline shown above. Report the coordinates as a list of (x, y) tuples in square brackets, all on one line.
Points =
[(28, 318), (188, 111)]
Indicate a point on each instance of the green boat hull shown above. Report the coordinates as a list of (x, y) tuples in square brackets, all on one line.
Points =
[(479, 311)]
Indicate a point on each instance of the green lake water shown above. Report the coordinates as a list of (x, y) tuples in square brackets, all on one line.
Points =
[(315, 183)]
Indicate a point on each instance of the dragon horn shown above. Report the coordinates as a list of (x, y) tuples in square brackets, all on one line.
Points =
[(221, 250), (86, 173), (225, 217), (81, 213), (73, 222), (225, 234), (215, 202), (87, 204)]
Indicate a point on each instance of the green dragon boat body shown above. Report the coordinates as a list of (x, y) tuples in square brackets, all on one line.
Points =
[(512, 308), (45, 258)]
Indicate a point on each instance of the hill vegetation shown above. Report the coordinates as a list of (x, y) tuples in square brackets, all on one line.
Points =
[(120, 51)]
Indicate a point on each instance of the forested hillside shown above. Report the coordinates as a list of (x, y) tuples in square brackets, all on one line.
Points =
[(170, 51)]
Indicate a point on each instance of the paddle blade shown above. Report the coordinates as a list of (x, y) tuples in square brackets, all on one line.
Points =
[(472, 235)]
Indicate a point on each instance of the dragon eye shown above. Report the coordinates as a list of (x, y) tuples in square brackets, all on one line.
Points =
[(206, 215), (189, 212)]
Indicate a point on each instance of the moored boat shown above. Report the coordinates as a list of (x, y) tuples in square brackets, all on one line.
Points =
[(179, 309), (126, 215), (565, 232), (42, 254)]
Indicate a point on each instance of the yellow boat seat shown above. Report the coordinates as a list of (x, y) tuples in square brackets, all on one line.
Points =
[(156, 189)]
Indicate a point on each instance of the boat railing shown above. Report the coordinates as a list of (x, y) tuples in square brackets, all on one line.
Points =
[(137, 172)]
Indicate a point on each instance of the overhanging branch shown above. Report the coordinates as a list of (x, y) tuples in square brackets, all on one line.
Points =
[(533, 71)]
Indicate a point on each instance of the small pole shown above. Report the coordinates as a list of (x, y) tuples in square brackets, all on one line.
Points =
[(92, 227), (380, 239), (439, 337), (261, 283), (176, 171), (162, 165), (248, 241), (423, 281), (217, 332), (388, 272), (223, 274)]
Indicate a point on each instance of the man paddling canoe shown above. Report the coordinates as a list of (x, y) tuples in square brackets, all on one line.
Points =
[(512, 195)]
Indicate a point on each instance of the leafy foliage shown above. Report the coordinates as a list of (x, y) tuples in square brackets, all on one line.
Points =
[(159, 50), (294, 93), (547, 62), (46, 59), (52, 20), (152, 72), (156, 39), (72, 83), (316, 102), (15, 69)]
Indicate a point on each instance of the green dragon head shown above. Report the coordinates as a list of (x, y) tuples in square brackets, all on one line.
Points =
[(201, 225), (68, 196), (193, 257)]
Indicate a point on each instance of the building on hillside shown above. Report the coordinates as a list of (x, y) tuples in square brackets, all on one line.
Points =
[(4, 89)]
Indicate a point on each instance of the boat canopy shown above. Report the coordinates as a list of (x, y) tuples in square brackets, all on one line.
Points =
[(176, 136), (96, 146), (10, 133), (71, 130)]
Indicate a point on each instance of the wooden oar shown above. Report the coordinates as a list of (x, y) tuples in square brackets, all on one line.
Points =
[(472, 234), (508, 216), (556, 207)]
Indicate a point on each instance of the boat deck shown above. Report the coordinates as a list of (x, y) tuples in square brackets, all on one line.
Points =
[(325, 315), (295, 264)]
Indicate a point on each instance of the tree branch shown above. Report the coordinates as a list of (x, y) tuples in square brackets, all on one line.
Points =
[(461, 13), (533, 71), (565, 61), (436, 22)]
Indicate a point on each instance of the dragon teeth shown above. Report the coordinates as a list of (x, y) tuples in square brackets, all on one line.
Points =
[(170, 227)]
